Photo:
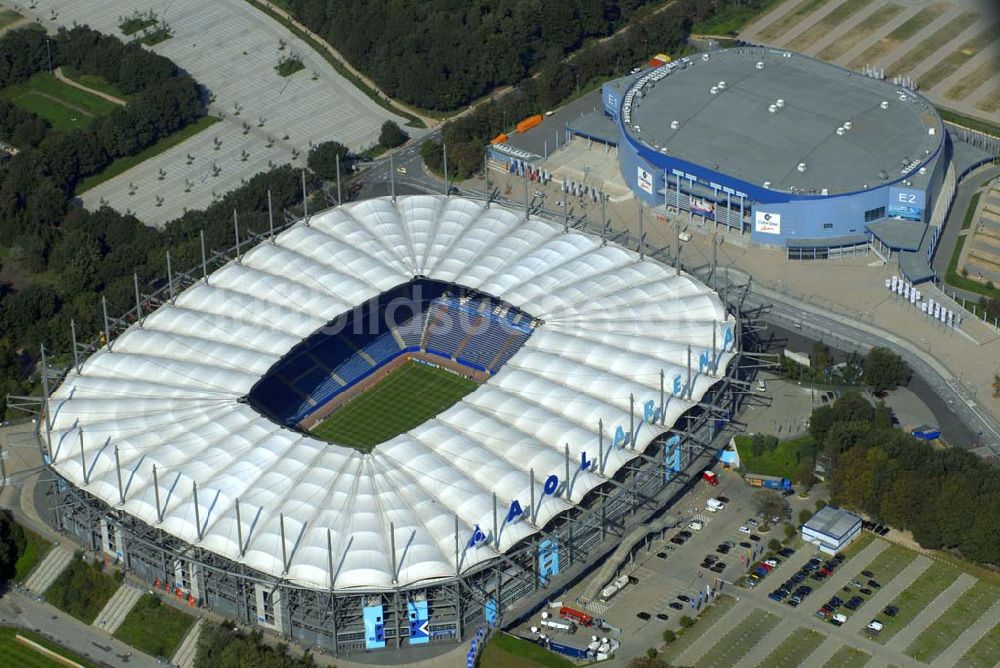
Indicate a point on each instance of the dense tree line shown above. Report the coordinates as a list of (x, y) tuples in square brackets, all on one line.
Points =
[(12, 545), (944, 496), (220, 647), (441, 54), (35, 186), (557, 79)]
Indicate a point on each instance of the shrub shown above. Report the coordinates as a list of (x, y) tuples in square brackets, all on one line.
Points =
[(686, 622), (774, 544), (669, 636)]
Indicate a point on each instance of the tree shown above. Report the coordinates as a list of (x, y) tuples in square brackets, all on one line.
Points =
[(762, 443), (804, 516), (669, 636), (769, 504), (992, 307), (774, 544), (12, 544), (323, 159), (789, 531), (885, 370), (804, 474), (391, 135), (686, 622)]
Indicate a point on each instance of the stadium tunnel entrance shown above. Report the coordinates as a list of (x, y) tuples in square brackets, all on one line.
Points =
[(441, 326)]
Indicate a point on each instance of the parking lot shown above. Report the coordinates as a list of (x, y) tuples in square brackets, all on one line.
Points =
[(231, 48), (877, 603)]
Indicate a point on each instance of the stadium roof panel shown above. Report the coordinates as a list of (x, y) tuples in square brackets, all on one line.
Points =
[(766, 115), (168, 394)]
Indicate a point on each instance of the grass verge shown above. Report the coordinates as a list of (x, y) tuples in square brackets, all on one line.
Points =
[(974, 79), (406, 398), (124, 164), (926, 48), (971, 123), (954, 60), (791, 19), (740, 639), (35, 549), (411, 120), (985, 652), (8, 16), (825, 25), (861, 32), (848, 657), (944, 630), (793, 651), (889, 563), (507, 651), (65, 107), (83, 589), (877, 51), (154, 627), (13, 653), (731, 19), (93, 82), (915, 598), (705, 620)]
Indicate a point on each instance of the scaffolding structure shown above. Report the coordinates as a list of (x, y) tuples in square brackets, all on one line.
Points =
[(496, 593)]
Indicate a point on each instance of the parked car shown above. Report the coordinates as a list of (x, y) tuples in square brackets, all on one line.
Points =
[(874, 585), (676, 605), (718, 567), (682, 597), (644, 616), (868, 574), (744, 529), (866, 591), (786, 552), (662, 616), (755, 538), (662, 555), (891, 610), (745, 544)]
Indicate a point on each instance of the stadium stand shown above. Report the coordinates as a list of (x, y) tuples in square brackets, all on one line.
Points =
[(447, 321)]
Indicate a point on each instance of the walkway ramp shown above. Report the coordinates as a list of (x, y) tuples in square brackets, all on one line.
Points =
[(117, 608), (188, 649), (49, 569)]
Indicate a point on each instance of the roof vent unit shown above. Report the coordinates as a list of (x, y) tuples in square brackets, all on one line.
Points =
[(704, 57), (722, 85), (840, 132), (674, 125), (767, 184), (882, 174), (772, 108), (801, 167), (884, 104), (902, 98), (759, 65), (931, 131), (824, 191), (848, 125), (779, 103), (922, 170), (714, 90)]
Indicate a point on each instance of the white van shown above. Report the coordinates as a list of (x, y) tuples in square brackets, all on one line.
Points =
[(714, 505), (696, 525)]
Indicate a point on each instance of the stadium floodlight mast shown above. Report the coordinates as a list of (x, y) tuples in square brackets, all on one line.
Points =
[(270, 216), (236, 233), (340, 200), (526, 210), (642, 235), (600, 445), (444, 149), (138, 301), (76, 350), (156, 493), (170, 280), (305, 201), (486, 176), (83, 464), (604, 220), (107, 327), (204, 257)]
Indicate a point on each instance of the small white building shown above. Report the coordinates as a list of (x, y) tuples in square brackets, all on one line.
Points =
[(831, 529)]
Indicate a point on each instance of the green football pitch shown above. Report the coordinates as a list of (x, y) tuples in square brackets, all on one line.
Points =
[(403, 400)]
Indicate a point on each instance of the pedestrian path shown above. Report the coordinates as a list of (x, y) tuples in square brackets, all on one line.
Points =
[(709, 638), (117, 608), (942, 602), (46, 572), (188, 649), (768, 644)]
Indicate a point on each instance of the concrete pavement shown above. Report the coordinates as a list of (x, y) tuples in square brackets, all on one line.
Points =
[(46, 572), (188, 649), (117, 608), (968, 638), (873, 607)]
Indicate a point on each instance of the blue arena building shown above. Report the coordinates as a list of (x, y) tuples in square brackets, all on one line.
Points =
[(796, 152)]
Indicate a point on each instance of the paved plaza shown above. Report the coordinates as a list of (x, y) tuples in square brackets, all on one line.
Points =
[(950, 48), (231, 48)]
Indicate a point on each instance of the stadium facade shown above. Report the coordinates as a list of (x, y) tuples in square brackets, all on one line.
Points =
[(180, 454), (794, 151)]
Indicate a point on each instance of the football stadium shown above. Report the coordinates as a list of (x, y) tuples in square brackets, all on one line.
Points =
[(798, 153), (393, 422)]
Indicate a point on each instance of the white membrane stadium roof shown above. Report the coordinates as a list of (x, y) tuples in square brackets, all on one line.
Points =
[(167, 395)]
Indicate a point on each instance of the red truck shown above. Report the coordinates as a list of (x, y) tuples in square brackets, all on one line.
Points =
[(710, 478), (581, 618)]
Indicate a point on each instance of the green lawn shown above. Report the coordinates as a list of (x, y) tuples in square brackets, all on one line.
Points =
[(93, 81), (889, 563), (8, 16), (83, 589), (730, 19), (860, 32), (950, 63), (35, 549), (122, 165), (706, 619), (13, 653), (985, 652), (847, 657), (914, 599), (409, 396), (944, 630), (65, 107), (877, 51), (505, 651), (923, 50), (793, 651), (154, 627), (733, 646), (782, 461)]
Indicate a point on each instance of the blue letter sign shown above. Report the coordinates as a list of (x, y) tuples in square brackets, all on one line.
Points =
[(515, 511)]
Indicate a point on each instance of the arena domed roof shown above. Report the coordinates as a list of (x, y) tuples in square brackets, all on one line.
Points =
[(168, 394)]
